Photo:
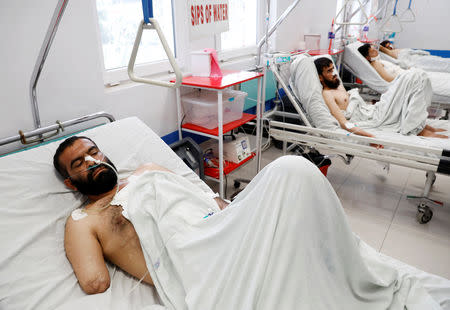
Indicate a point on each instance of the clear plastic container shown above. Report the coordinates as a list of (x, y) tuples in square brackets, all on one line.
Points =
[(200, 107), (312, 41)]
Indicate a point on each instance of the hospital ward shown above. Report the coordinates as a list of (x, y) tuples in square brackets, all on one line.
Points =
[(225, 155)]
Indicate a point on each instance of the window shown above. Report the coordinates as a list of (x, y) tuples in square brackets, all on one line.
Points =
[(353, 6), (242, 25), (118, 23)]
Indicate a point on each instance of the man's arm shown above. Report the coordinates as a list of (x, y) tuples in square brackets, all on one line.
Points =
[(378, 66), (221, 203), (339, 116), (85, 254), (392, 53)]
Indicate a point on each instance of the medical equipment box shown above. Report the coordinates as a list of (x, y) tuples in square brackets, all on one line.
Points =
[(200, 107), (234, 150)]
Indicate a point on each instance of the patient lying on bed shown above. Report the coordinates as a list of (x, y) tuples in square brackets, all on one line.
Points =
[(403, 108), (99, 231), (408, 58), (270, 249)]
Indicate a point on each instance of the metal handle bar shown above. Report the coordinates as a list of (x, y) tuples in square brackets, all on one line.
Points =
[(153, 25)]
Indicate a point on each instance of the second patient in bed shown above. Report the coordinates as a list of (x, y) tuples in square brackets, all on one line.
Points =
[(337, 100), (99, 231)]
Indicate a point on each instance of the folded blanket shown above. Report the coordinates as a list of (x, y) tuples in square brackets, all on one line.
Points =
[(284, 243), (403, 108)]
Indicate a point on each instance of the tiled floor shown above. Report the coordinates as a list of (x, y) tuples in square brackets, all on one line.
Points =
[(378, 211)]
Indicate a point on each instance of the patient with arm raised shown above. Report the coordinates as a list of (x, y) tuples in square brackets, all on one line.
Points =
[(100, 231), (387, 48), (409, 117)]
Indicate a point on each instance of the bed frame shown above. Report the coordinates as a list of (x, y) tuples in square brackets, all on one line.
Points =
[(431, 160), (55, 130)]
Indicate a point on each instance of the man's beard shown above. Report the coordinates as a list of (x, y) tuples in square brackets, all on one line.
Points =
[(104, 181), (332, 84)]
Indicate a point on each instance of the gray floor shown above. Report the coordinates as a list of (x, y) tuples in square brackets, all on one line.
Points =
[(378, 211)]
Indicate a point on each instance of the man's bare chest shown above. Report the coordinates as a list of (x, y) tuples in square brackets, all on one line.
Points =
[(116, 233)]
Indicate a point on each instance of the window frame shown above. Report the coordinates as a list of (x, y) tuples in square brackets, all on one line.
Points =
[(113, 77)]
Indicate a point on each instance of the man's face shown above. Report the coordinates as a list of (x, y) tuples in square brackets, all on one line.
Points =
[(373, 52), (389, 46), (329, 77), (86, 176)]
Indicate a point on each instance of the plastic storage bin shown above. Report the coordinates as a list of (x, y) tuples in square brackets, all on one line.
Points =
[(312, 41), (200, 107)]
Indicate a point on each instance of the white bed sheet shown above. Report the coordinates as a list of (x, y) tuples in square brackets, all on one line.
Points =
[(34, 205), (440, 81)]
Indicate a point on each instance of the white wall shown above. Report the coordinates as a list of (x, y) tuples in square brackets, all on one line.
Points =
[(310, 16), (71, 84), (432, 27)]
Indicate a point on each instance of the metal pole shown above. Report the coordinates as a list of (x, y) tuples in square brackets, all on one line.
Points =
[(45, 48), (272, 29), (220, 136)]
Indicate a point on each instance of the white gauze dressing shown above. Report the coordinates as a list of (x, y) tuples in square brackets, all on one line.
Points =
[(78, 214)]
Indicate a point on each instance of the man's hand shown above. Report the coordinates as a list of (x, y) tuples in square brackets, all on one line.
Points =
[(221, 203)]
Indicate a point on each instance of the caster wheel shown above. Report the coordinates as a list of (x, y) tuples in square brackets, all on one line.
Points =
[(236, 184), (424, 215)]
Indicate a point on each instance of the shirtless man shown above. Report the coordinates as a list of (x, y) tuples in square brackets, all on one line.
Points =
[(372, 56), (335, 95), (337, 99), (100, 231)]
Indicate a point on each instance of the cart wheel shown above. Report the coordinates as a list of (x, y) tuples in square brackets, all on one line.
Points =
[(236, 184), (424, 214)]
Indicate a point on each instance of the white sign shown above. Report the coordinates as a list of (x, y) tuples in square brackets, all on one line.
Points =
[(207, 17)]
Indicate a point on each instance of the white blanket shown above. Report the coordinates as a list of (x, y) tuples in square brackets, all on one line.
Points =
[(403, 108), (284, 243), (408, 58)]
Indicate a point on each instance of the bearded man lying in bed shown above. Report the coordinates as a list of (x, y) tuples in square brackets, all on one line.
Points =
[(267, 250), (99, 231), (403, 108)]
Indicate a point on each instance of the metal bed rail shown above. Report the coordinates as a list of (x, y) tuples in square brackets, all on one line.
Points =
[(55, 128), (436, 153)]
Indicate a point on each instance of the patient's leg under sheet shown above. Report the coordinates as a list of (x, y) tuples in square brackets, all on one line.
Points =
[(284, 243), (403, 108)]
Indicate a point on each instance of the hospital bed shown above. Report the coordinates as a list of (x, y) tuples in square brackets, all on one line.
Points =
[(34, 204), (321, 131), (361, 68)]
